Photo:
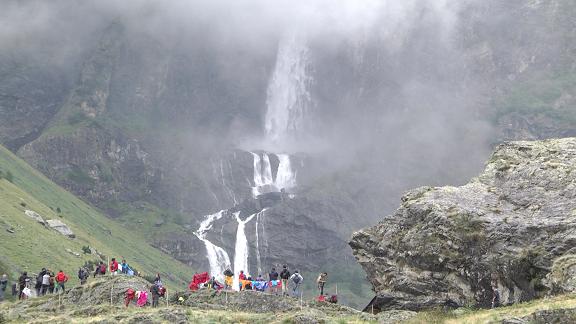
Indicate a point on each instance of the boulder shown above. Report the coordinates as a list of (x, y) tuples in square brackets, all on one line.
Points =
[(562, 315), (60, 227), (513, 227), (35, 216)]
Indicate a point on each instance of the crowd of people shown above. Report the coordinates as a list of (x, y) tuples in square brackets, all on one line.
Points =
[(284, 283), (46, 282), (50, 282)]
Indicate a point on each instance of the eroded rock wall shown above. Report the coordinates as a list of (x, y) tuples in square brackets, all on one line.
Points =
[(447, 245)]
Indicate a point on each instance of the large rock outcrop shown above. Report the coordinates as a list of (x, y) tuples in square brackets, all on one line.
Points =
[(514, 225)]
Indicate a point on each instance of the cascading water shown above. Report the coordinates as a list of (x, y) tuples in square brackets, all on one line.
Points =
[(241, 249), (285, 177), (217, 257), (288, 101), (263, 179), (257, 238), (288, 95)]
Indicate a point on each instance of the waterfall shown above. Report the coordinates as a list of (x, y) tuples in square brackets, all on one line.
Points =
[(223, 177), (258, 258), (285, 177), (217, 257), (288, 95), (266, 169), (241, 249), (263, 179)]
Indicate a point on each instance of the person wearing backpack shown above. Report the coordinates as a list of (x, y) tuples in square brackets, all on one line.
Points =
[(83, 275), (155, 292), (38, 285), (284, 276), (296, 279), (98, 270), (61, 279)]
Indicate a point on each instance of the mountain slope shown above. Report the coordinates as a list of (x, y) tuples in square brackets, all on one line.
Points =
[(32, 246)]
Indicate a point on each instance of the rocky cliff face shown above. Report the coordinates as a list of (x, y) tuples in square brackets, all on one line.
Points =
[(513, 224)]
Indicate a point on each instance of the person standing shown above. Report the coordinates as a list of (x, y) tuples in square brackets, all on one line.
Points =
[(321, 281), (38, 285), (52, 282), (155, 291), (273, 278), (4, 282), (296, 279), (45, 283), (23, 280), (124, 267), (228, 279), (61, 279), (82, 275), (3, 285), (113, 266), (284, 276), (241, 278), (158, 281)]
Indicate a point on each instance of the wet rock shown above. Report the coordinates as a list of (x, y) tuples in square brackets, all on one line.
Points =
[(512, 226), (60, 227)]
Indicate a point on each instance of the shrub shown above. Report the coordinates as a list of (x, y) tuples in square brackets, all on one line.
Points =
[(86, 250)]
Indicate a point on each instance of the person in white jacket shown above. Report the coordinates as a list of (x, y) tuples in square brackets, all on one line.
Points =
[(296, 280)]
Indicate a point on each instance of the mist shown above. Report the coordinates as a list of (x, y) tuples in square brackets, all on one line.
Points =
[(386, 81)]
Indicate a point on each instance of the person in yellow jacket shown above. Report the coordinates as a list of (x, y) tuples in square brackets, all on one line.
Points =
[(228, 279)]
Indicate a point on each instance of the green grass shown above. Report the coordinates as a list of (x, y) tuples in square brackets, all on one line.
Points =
[(145, 218), (541, 97), (495, 315), (32, 246)]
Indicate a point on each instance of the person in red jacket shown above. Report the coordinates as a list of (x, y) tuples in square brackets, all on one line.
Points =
[(241, 278), (113, 266), (61, 279)]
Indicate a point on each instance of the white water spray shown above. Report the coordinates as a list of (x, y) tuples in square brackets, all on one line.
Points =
[(263, 179), (285, 177), (241, 249), (288, 96), (217, 257), (258, 258)]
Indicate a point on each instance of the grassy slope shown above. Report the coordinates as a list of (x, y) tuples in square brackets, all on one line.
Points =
[(496, 315), (32, 246)]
